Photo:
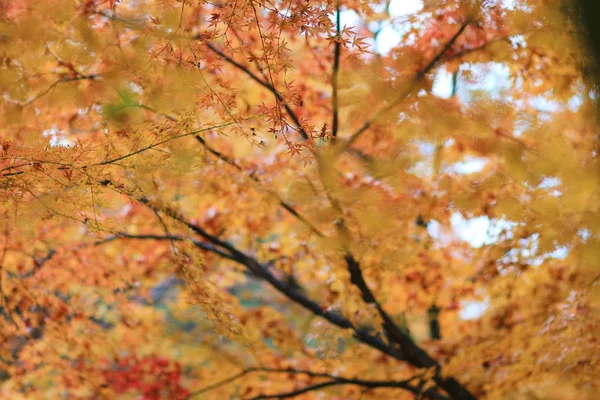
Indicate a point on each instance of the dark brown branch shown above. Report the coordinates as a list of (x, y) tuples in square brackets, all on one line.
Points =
[(394, 333), (336, 68), (217, 385), (409, 351), (13, 173), (176, 238), (266, 85), (480, 47), (412, 352), (333, 380), (285, 288)]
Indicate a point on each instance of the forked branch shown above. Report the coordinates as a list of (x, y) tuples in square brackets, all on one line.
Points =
[(288, 207), (267, 86), (409, 351)]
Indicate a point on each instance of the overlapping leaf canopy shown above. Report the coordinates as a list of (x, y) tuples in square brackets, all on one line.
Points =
[(245, 199)]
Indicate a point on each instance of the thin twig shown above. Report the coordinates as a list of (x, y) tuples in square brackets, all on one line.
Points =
[(336, 68), (161, 142), (266, 85), (56, 83), (288, 207), (332, 380), (217, 385)]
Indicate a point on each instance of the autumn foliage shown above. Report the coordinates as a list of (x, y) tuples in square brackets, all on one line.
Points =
[(250, 199)]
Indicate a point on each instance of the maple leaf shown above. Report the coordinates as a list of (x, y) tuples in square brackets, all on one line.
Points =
[(111, 3)]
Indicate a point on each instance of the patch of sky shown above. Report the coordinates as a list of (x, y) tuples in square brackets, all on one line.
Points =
[(520, 127), (387, 39), (390, 33), (400, 8), (469, 165), (426, 148), (584, 234), (549, 182), (527, 252), (517, 41), (135, 88), (575, 102), (58, 138), (434, 229), (492, 78), (544, 104), (443, 84), (478, 231), (508, 4), (473, 309), (349, 18)]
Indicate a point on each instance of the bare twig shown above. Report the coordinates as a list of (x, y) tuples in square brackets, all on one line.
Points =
[(218, 384), (336, 68), (332, 381), (193, 133), (56, 83)]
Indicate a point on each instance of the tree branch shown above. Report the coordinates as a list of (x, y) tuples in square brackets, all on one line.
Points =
[(225, 159), (333, 380), (336, 67), (420, 74), (409, 351), (56, 83), (393, 331), (288, 207), (266, 85), (218, 384), (284, 288), (193, 133), (39, 263)]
